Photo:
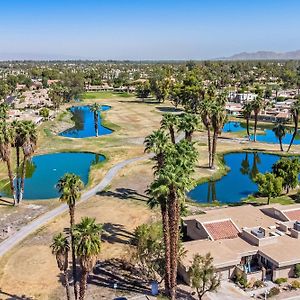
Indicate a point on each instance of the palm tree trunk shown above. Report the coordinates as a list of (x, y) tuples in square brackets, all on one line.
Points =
[(268, 200), (295, 117), (11, 180), (280, 143), (67, 286), (255, 126), (172, 134), (96, 123), (18, 173), (83, 283), (214, 147), (74, 267), (248, 132), (173, 226), (166, 233), (23, 179), (209, 146)]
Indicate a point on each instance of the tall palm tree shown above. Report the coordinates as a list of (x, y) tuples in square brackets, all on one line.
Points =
[(247, 110), (60, 248), (87, 236), (95, 109), (157, 142), (295, 110), (218, 120), (188, 123), (69, 187), (168, 122), (29, 141), (6, 139), (205, 109), (257, 104), (280, 132), (172, 182)]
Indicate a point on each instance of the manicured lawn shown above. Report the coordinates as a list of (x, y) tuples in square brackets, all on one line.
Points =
[(103, 95)]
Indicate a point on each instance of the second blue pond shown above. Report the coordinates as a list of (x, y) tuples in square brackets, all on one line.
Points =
[(238, 183), (84, 123), (267, 137)]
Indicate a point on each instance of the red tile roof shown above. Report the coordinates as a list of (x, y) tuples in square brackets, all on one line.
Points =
[(293, 215), (221, 229)]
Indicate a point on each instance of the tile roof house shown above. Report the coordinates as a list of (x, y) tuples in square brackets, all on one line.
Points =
[(245, 238)]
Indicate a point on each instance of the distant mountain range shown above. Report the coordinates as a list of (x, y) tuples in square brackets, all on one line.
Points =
[(265, 55)]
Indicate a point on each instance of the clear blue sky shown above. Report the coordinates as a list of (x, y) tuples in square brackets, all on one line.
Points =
[(146, 29)]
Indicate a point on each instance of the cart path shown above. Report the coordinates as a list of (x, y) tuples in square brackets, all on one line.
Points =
[(28, 229)]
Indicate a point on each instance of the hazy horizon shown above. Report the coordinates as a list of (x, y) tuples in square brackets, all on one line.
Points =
[(146, 30)]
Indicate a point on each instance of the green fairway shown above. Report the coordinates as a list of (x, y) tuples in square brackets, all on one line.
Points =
[(104, 95)]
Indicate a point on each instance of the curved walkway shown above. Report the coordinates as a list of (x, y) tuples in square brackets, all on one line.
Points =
[(13, 240)]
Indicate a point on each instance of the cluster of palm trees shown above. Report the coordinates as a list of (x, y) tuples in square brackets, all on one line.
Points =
[(279, 130), (22, 136), (95, 109), (84, 239), (174, 165), (213, 115), (254, 106)]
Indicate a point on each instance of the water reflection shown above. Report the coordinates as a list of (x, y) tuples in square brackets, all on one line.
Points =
[(238, 183), (85, 123)]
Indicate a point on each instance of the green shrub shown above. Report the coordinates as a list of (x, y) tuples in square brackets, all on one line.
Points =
[(297, 270), (280, 280), (274, 291), (258, 284), (242, 281), (295, 285)]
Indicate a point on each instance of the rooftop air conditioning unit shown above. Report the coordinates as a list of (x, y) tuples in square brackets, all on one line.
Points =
[(258, 232), (297, 225)]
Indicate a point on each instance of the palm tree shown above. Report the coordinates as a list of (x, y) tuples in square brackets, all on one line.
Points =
[(87, 237), (95, 109), (6, 139), (295, 110), (70, 186), (188, 123), (247, 110), (169, 121), (205, 109), (60, 248), (172, 182), (218, 120), (279, 131), (157, 142), (257, 104), (29, 138)]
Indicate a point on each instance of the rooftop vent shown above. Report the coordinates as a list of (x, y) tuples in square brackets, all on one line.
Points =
[(258, 232), (297, 225)]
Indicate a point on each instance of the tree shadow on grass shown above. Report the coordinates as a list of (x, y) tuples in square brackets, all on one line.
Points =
[(140, 100), (4, 202), (124, 274), (125, 193), (167, 109), (116, 233), (13, 296)]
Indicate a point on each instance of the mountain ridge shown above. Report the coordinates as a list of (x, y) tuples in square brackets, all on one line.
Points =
[(265, 55)]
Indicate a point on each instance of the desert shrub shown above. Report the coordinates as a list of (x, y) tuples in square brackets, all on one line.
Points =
[(295, 284), (297, 270), (274, 291), (258, 283), (280, 280)]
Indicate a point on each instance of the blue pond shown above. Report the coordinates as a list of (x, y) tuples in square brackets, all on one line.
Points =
[(44, 171), (267, 137), (84, 123), (238, 183)]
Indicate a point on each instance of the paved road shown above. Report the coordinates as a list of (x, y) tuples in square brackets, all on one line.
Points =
[(17, 237)]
